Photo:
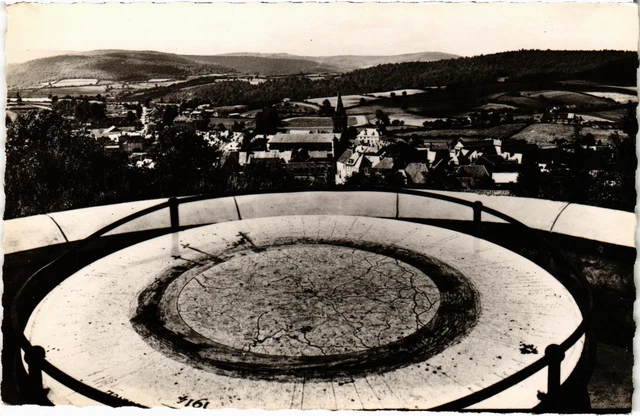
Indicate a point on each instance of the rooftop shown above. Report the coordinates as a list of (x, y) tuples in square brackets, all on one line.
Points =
[(472, 171), (302, 138), (344, 158)]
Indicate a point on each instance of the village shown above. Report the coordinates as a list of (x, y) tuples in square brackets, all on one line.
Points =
[(325, 143)]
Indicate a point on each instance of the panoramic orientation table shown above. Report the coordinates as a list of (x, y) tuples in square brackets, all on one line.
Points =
[(306, 312)]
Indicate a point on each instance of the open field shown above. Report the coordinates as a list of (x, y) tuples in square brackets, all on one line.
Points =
[(499, 132), (566, 98), (229, 122), (28, 107), (78, 82), (551, 98), (370, 110), (631, 89), (593, 118), (62, 91), (347, 100), (526, 102), (90, 89), (387, 94), (307, 105), (613, 115), (615, 96), (495, 106), (146, 84), (32, 100), (411, 119), (354, 100), (543, 134), (314, 122), (251, 113)]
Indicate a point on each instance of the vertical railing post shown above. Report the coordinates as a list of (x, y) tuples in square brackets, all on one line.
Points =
[(173, 213), (34, 357), (477, 218), (175, 226), (554, 355)]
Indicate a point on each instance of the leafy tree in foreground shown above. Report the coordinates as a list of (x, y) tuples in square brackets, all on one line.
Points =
[(85, 111), (185, 164), (53, 167), (269, 175)]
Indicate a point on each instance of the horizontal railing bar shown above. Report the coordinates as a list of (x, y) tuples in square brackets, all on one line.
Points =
[(496, 388)]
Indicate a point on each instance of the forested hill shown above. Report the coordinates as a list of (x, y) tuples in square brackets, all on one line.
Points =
[(526, 65), (110, 65), (265, 65), (341, 63), (615, 67)]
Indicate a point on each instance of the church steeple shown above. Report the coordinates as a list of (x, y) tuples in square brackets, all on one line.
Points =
[(339, 117)]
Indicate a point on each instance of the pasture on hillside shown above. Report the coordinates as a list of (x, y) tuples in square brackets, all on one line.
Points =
[(593, 118), (615, 96), (519, 101), (545, 134), (498, 132), (370, 110), (354, 100), (62, 91), (613, 115), (495, 107), (389, 94), (78, 82), (347, 100), (314, 122), (410, 119), (567, 98)]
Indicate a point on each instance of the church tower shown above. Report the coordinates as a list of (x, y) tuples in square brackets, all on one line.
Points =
[(339, 117)]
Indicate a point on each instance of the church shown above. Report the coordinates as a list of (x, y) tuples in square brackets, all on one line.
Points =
[(340, 117)]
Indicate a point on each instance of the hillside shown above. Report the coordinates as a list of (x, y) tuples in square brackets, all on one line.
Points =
[(346, 63), (352, 62), (527, 65), (266, 65), (461, 76), (110, 65), (119, 65)]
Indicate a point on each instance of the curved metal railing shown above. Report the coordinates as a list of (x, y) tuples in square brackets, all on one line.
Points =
[(27, 298)]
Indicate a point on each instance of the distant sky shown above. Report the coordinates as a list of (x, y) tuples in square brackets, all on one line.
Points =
[(37, 30)]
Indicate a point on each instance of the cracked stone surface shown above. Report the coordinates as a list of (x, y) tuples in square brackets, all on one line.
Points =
[(87, 324), (308, 299)]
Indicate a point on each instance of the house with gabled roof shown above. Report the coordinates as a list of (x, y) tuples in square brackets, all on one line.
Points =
[(472, 177), (417, 173), (349, 163), (385, 165)]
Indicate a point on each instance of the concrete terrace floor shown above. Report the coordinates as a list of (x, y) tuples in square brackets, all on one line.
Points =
[(306, 312)]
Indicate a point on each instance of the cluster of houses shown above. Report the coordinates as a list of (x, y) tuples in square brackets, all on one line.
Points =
[(308, 156), (138, 139), (468, 164), (327, 157)]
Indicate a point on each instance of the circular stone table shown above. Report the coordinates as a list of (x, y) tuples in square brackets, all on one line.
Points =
[(306, 312)]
